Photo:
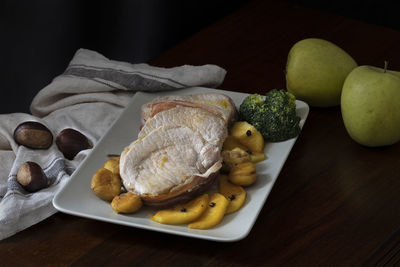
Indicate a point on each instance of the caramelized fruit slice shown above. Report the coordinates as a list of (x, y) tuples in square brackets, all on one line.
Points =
[(243, 174), (234, 157), (231, 142), (184, 213), (214, 213), (235, 194), (257, 157), (248, 135)]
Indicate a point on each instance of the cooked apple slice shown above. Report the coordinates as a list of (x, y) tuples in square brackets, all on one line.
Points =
[(257, 157), (243, 174), (184, 213), (234, 157), (126, 203), (214, 213), (248, 135), (235, 194), (112, 165), (231, 143)]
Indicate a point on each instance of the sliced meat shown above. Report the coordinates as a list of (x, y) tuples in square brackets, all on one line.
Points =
[(178, 151), (210, 126), (169, 164), (218, 104)]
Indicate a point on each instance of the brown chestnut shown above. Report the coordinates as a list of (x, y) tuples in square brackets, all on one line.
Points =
[(70, 142), (32, 177), (33, 134)]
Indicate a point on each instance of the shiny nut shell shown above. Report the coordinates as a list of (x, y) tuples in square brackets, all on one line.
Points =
[(32, 177), (33, 134), (70, 142)]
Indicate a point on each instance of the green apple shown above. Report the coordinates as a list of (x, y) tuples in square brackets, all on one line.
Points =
[(370, 104), (316, 70)]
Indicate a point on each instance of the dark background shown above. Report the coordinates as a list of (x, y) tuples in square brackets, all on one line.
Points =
[(38, 38)]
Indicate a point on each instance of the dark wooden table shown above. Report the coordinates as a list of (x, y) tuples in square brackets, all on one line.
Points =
[(334, 203)]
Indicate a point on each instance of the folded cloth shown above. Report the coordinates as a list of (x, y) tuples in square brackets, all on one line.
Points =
[(88, 97)]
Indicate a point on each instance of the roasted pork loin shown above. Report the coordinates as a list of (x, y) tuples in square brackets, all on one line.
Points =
[(178, 151)]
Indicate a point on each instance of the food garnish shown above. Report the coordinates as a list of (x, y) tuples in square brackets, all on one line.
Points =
[(274, 116)]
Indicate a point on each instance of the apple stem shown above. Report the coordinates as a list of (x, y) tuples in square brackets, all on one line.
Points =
[(385, 66)]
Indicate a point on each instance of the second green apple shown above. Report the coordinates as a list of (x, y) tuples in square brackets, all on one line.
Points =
[(316, 70), (370, 106)]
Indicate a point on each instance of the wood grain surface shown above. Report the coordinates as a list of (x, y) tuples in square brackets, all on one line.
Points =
[(335, 203)]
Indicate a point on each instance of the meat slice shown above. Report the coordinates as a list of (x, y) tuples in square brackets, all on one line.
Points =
[(169, 165), (210, 126), (219, 104)]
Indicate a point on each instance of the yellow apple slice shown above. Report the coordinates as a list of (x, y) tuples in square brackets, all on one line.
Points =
[(257, 157), (231, 142), (214, 213), (235, 194), (184, 213), (234, 157), (248, 136), (243, 174)]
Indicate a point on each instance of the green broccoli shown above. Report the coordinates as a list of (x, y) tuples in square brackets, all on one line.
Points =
[(249, 105), (275, 116)]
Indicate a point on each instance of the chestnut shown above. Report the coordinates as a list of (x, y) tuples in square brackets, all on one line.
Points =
[(33, 134), (70, 142), (32, 177)]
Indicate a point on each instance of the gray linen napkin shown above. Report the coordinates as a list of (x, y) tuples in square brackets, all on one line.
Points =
[(88, 97)]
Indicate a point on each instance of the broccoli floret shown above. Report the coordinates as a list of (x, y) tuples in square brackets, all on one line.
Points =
[(275, 116), (249, 105)]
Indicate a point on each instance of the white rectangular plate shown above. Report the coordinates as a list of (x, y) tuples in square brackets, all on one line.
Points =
[(76, 197)]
